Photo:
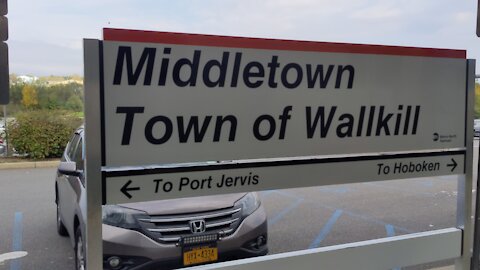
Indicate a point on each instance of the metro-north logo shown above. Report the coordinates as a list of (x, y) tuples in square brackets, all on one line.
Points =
[(228, 70), (443, 138)]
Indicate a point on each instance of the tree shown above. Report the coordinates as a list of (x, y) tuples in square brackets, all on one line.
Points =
[(16, 93), (29, 97), (74, 103)]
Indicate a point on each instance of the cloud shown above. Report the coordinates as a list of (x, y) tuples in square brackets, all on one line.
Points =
[(38, 58), (378, 13), (62, 25), (463, 17)]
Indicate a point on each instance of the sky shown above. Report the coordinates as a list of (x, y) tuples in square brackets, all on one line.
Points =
[(46, 37)]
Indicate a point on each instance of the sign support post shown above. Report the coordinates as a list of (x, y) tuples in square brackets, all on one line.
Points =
[(464, 187), (92, 69), (476, 230)]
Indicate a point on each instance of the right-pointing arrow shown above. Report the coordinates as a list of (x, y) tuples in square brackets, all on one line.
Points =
[(453, 165)]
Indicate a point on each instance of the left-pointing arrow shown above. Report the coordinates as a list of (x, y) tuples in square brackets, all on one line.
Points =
[(125, 189)]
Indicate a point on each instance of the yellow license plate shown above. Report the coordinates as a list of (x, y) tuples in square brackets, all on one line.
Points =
[(197, 255)]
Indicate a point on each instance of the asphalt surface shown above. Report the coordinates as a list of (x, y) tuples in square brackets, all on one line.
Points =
[(27, 220), (322, 216), (298, 218)]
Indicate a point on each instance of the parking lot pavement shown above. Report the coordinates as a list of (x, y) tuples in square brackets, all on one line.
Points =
[(349, 213), (27, 221)]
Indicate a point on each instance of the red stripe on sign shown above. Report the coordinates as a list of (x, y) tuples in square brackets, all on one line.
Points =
[(110, 34)]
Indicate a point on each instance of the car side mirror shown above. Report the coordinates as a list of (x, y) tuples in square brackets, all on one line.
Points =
[(68, 168)]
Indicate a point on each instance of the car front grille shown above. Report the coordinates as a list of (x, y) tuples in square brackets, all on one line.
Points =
[(172, 228)]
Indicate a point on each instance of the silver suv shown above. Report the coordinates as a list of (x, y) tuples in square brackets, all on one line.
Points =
[(159, 234)]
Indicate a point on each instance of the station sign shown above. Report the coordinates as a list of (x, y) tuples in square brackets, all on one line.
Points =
[(203, 107)]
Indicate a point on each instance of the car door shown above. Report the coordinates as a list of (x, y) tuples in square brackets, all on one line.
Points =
[(69, 186)]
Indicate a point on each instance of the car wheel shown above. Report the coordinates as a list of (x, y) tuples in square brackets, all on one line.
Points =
[(79, 250), (60, 227)]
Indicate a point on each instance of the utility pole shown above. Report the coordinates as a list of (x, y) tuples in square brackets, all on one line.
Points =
[(4, 78), (4, 71), (6, 133)]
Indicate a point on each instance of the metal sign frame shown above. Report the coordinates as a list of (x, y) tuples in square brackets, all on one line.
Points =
[(452, 243)]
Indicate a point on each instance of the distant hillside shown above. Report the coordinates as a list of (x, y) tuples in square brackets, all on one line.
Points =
[(46, 80), (54, 80)]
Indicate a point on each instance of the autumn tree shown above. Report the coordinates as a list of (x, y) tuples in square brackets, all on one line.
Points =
[(29, 97)]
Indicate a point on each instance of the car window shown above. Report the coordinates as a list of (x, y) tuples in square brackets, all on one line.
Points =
[(78, 155), (72, 146)]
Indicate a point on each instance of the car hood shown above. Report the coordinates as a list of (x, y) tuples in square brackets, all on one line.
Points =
[(186, 205)]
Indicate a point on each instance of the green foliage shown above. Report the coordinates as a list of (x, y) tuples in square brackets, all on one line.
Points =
[(61, 96), (16, 93), (74, 103), (68, 96), (42, 134)]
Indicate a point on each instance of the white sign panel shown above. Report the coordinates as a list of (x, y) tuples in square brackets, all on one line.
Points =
[(277, 113), (176, 98)]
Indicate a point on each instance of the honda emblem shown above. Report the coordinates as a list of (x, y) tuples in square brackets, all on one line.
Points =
[(197, 226)]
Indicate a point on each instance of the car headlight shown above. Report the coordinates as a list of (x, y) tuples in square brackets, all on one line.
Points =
[(118, 216), (249, 203)]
